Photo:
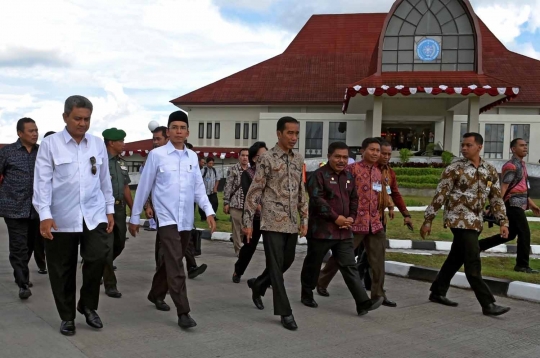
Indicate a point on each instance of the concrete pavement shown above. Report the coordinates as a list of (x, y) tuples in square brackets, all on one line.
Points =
[(230, 326)]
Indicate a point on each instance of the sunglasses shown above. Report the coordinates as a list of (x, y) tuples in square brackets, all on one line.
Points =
[(93, 162)]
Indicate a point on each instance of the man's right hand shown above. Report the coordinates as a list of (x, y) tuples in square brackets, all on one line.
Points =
[(425, 230), (149, 212), (342, 221), (133, 229), (45, 228), (226, 209), (249, 234)]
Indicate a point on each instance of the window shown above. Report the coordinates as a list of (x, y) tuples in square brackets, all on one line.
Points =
[(237, 131), (208, 130), (133, 167), (217, 130), (254, 132), (522, 131), (337, 132), (433, 35), (494, 141), (314, 136), (201, 130), (246, 130)]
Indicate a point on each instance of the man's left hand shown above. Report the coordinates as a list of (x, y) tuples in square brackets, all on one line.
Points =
[(211, 223), (504, 232), (110, 223), (535, 210), (303, 231), (391, 214), (408, 221)]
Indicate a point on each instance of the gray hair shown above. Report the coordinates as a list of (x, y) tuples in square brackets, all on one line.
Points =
[(77, 102)]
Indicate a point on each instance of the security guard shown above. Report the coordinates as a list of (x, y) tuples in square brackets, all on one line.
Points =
[(114, 141)]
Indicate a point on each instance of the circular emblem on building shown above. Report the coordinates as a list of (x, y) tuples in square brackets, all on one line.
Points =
[(428, 50)]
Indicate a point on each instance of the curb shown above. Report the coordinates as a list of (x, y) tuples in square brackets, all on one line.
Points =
[(513, 289)]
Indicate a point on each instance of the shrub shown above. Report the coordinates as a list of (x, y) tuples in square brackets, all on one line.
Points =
[(405, 155), (419, 179), (417, 186), (447, 157), (430, 148), (418, 171)]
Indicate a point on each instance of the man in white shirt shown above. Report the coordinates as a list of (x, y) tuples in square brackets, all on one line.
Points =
[(73, 196), (172, 175)]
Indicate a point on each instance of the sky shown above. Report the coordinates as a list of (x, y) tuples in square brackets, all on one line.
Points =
[(130, 58)]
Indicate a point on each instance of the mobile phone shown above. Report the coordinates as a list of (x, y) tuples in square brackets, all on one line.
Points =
[(410, 227)]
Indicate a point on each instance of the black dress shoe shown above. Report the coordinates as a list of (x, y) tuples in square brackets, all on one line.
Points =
[(255, 296), (289, 322), (369, 305), (113, 292), (92, 318), (160, 305), (67, 328), (525, 270), (30, 284), (196, 271), (24, 292), (236, 278), (310, 302), (42, 272), (494, 310), (388, 303), (442, 300), (185, 321), (322, 291)]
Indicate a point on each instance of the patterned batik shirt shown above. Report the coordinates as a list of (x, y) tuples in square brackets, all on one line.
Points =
[(518, 195), (464, 190), (233, 195), (278, 186), (17, 167), (367, 179)]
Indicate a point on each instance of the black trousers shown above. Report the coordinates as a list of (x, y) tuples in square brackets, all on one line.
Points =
[(62, 254), (248, 249), (215, 203), (170, 275), (39, 252), (23, 233), (117, 241), (191, 262), (465, 251), (343, 252), (519, 226), (279, 249)]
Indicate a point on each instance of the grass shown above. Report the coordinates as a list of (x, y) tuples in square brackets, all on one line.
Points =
[(499, 267)]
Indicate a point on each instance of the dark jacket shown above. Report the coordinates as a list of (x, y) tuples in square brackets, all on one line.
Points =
[(330, 195)]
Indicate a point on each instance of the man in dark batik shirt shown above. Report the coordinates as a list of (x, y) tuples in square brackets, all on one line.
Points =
[(333, 206)]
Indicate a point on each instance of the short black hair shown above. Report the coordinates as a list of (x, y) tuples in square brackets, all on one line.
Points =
[(21, 122), (210, 159), (243, 150), (513, 143), (336, 146), (161, 129), (477, 137), (48, 134), (283, 121), (385, 143), (188, 145), (368, 141), (253, 150), (77, 102)]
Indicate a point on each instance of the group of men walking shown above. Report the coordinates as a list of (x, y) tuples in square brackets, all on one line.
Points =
[(73, 190)]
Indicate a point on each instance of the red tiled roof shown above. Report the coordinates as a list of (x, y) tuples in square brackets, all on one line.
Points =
[(333, 51)]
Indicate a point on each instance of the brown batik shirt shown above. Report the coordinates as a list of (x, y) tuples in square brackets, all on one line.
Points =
[(279, 187), (464, 190)]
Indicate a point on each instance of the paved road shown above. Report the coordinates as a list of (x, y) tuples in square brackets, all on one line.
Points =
[(230, 326)]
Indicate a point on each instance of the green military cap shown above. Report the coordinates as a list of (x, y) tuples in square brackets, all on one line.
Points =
[(114, 134)]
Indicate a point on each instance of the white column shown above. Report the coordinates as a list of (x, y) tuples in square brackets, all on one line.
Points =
[(473, 121), (448, 130), (369, 126), (377, 117), (439, 133)]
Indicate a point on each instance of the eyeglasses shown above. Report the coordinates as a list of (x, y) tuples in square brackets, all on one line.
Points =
[(93, 162)]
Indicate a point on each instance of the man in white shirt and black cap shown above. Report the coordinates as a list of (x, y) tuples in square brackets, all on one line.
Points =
[(173, 177), (73, 196)]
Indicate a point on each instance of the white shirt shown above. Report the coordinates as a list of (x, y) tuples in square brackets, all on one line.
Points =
[(65, 189), (175, 181)]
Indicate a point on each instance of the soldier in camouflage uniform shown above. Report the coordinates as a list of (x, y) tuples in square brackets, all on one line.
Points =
[(114, 141)]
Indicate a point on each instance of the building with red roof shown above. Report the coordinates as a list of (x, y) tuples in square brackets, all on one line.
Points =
[(426, 71)]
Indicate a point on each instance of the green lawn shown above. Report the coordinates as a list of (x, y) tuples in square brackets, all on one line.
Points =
[(499, 267)]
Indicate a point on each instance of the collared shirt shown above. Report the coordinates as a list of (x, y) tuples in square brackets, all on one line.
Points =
[(278, 186), (119, 176), (233, 194), (368, 181), (17, 168), (65, 189), (464, 190), (518, 195), (330, 195), (176, 184), (210, 178)]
